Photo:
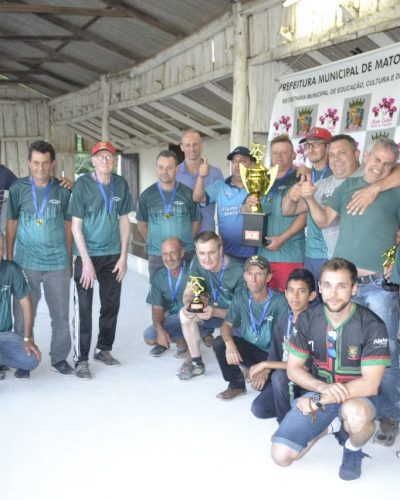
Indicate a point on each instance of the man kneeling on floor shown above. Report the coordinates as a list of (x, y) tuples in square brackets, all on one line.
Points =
[(278, 392), (15, 351), (254, 310), (220, 276), (350, 350)]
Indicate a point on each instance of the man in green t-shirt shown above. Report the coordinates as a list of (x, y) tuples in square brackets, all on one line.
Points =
[(166, 209), (363, 239), (216, 276), (15, 351), (39, 240), (100, 204), (254, 310)]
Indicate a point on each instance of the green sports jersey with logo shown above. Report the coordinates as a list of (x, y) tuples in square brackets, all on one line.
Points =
[(160, 293), (100, 226), (163, 224), (12, 282), (40, 241), (232, 280), (240, 315), (293, 249)]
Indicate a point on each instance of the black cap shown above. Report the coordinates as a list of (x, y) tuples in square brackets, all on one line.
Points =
[(240, 150), (257, 260)]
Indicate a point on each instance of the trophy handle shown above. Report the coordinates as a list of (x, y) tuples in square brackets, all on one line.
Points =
[(273, 172)]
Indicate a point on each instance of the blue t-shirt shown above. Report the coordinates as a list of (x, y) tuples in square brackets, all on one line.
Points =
[(230, 199), (189, 180)]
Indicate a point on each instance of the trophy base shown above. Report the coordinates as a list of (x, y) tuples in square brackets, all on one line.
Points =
[(196, 307), (253, 230)]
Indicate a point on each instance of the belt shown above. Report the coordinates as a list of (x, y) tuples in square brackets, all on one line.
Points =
[(369, 278)]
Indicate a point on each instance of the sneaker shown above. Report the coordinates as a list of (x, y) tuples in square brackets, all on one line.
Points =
[(22, 374), (82, 370), (181, 349), (208, 340), (106, 358), (231, 393), (351, 464), (189, 370), (387, 432), (157, 351), (341, 435), (2, 374), (63, 368)]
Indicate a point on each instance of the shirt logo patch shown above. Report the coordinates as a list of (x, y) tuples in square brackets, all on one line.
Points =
[(55, 202), (353, 352), (4, 288)]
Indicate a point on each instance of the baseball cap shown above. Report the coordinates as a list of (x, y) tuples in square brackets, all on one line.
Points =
[(257, 260), (240, 150), (103, 146), (318, 133)]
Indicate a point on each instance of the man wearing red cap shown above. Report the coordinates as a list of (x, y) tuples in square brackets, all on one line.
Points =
[(99, 207)]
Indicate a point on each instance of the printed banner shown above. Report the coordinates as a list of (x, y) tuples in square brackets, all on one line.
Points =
[(359, 96)]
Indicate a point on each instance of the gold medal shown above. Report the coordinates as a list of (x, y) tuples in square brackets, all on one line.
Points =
[(167, 216), (39, 222)]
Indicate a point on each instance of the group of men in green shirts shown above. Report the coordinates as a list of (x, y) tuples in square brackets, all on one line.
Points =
[(42, 218)]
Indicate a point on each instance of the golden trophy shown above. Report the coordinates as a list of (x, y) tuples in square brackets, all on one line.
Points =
[(390, 257), (197, 287), (258, 181)]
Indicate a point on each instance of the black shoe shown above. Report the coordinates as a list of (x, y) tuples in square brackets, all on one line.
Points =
[(82, 370), (63, 368), (22, 374), (387, 432), (157, 351), (106, 358), (351, 464), (2, 373)]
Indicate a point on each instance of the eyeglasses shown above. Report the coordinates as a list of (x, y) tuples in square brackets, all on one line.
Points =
[(315, 145), (104, 158), (331, 337)]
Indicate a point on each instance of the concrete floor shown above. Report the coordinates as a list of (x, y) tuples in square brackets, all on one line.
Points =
[(136, 431)]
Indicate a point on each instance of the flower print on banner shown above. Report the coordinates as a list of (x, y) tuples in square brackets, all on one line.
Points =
[(383, 113), (301, 157), (329, 119), (282, 126)]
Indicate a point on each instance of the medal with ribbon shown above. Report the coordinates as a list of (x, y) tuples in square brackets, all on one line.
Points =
[(167, 207), (215, 290), (256, 325), (40, 211), (107, 203), (174, 291)]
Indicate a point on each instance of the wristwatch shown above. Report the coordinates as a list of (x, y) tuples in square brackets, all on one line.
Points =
[(316, 399)]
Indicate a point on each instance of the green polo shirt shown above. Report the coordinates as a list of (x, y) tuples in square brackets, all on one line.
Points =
[(13, 281)]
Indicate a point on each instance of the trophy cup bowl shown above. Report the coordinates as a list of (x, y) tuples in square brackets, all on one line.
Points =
[(258, 181), (195, 284)]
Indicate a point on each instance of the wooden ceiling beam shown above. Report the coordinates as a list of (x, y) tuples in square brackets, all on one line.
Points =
[(146, 18), (155, 133), (220, 92), (38, 38), (18, 8), (204, 110)]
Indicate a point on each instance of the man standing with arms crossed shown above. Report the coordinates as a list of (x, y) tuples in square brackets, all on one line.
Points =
[(99, 207), (39, 240)]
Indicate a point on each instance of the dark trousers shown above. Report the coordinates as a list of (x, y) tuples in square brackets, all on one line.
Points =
[(110, 293), (250, 353), (274, 400)]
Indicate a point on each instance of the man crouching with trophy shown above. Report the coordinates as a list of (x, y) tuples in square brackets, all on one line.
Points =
[(213, 280)]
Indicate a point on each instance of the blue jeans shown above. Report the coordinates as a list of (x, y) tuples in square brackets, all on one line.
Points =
[(56, 286), (274, 400), (173, 326), (297, 430), (386, 305), (13, 354)]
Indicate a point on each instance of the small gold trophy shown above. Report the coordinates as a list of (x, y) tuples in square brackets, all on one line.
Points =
[(258, 181), (197, 287), (390, 257)]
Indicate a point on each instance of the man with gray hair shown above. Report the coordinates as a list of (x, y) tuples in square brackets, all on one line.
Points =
[(363, 240)]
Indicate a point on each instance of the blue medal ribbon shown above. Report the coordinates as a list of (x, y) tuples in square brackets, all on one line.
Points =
[(215, 291), (324, 171), (257, 325), (167, 208), (174, 292), (108, 203), (289, 325), (40, 212)]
